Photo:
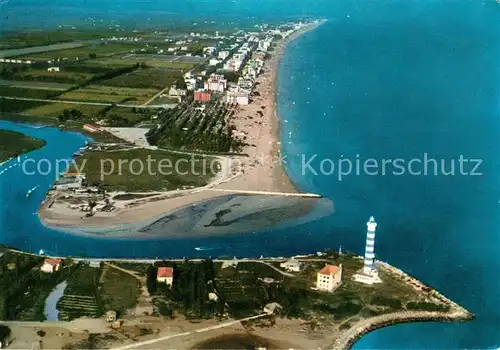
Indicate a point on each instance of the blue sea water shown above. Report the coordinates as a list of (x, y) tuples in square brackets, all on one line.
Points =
[(382, 80)]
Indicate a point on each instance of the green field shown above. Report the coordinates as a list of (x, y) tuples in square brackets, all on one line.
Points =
[(54, 109), (81, 297), (145, 78), (110, 94), (119, 291), (27, 93), (13, 144), (153, 63), (128, 177), (83, 52), (67, 75)]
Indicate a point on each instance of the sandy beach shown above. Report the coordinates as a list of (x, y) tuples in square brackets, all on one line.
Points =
[(259, 171)]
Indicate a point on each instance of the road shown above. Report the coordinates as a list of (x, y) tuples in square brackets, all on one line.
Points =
[(200, 330)]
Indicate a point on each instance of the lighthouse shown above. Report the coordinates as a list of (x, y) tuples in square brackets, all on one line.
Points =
[(369, 265), (369, 273)]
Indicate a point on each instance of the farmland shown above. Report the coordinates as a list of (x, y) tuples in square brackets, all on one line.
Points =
[(83, 52), (145, 78), (66, 75), (154, 61), (27, 93), (168, 171), (81, 296), (34, 85), (190, 127), (53, 110), (110, 94), (119, 291)]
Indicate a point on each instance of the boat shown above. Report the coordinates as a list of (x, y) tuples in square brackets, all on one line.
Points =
[(30, 192)]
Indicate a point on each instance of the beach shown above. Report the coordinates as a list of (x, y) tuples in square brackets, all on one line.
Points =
[(261, 169)]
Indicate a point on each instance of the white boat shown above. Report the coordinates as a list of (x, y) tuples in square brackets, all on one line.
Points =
[(31, 191)]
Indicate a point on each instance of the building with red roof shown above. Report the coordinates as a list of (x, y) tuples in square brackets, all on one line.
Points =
[(329, 278), (165, 275), (51, 265)]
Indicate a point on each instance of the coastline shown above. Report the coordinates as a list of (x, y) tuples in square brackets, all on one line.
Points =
[(259, 170), (290, 331)]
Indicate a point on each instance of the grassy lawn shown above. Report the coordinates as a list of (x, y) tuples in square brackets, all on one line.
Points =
[(98, 93), (126, 177), (13, 144), (119, 291), (145, 78)]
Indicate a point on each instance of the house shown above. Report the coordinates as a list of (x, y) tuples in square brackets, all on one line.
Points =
[(68, 182), (53, 69), (91, 128), (50, 265), (291, 265), (203, 96), (223, 55), (165, 275), (329, 278)]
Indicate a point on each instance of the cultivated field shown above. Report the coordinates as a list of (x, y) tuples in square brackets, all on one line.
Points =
[(81, 295), (145, 78), (156, 61), (27, 93), (83, 52), (53, 110), (34, 85), (98, 93)]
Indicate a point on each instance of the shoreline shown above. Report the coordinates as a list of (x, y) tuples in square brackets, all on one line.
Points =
[(340, 338), (258, 174)]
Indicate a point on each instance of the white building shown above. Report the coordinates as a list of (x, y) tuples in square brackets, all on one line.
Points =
[(223, 55), (53, 69), (213, 62), (329, 278), (165, 275), (50, 265), (369, 274), (291, 265)]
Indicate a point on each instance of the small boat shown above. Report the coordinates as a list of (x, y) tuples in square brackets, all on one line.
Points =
[(30, 192)]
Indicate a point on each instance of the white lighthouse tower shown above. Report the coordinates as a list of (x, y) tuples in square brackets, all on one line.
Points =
[(370, 246), (369, 274)]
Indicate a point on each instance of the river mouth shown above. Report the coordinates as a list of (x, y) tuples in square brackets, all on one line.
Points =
[(237, 341)]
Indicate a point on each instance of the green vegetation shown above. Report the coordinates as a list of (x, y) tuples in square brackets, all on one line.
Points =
[(81, 296), (13, 144), (189, 127), (124, 172), (83, 52), (24, 287), (427, 306), (189, 293), (119, 291), (145, 78), (4, 333), (99, 93)]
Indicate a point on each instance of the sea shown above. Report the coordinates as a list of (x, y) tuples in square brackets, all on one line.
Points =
[(394, 82)]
